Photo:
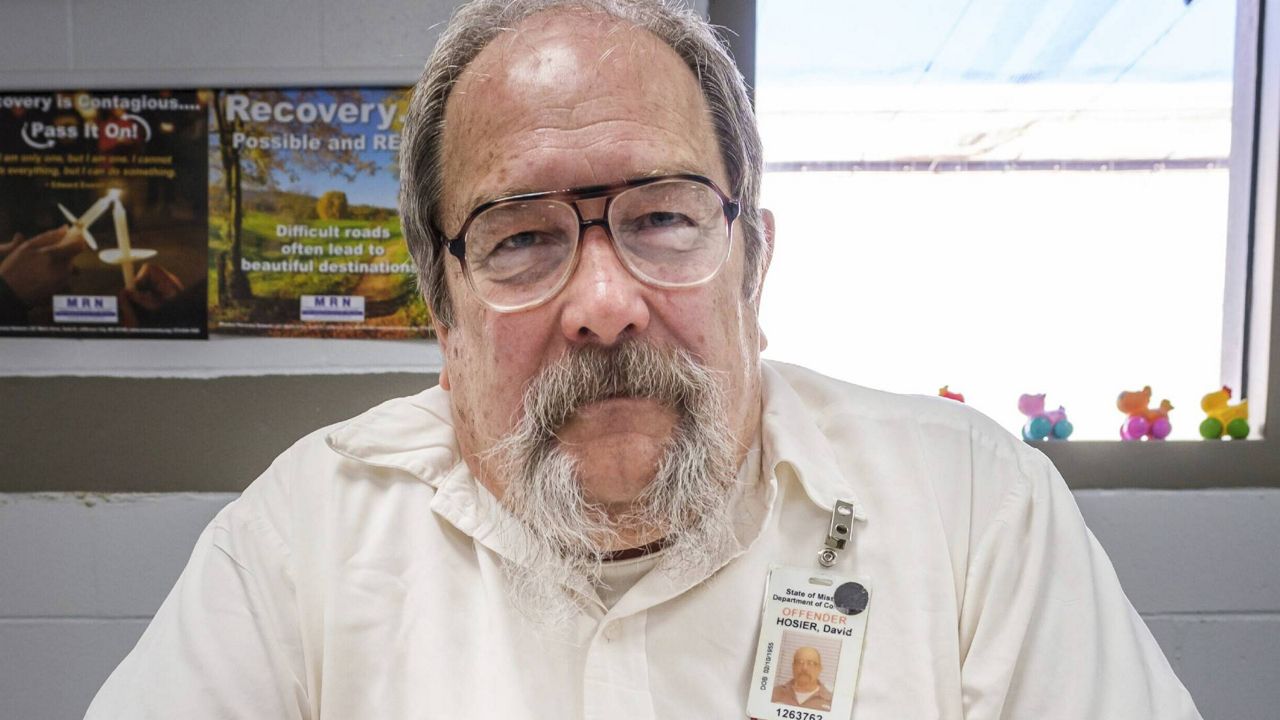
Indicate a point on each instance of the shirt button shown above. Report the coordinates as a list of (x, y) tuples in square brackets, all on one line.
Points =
[(611, 631)]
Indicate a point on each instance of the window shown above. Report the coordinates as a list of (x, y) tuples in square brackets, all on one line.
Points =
[(1063, 196)]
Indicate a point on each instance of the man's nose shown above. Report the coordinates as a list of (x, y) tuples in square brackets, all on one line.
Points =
[(603, 302)]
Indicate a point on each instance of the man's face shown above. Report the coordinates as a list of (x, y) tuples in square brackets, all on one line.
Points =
[(570, 100), (806, 667)]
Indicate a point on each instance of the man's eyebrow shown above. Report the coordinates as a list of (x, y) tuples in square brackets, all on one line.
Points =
[(481, 198)]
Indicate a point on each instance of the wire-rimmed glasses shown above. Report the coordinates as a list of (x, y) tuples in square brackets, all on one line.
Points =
[(669, 231)]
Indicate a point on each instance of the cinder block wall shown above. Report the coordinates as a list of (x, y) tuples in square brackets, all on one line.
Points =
[(80, 574)]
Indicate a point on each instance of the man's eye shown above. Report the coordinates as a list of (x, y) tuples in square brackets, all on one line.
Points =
[(523, 257), (519, 241), (658, 220)]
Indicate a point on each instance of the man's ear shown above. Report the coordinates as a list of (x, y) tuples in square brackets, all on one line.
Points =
[(442, 334), (766, 215), (769, 230)]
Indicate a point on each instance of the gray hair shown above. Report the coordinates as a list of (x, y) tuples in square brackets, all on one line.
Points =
[(475, 25)]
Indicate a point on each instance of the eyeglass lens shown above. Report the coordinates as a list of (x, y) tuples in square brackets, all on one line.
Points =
[(669, 233)]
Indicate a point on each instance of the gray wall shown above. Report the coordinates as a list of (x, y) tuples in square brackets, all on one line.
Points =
[(184, 434), (80, 573)]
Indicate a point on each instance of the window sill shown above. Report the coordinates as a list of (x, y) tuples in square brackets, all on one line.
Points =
[(1184, 464)]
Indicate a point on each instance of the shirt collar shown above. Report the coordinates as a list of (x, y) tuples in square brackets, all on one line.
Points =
[(792, 437), (415, 434)]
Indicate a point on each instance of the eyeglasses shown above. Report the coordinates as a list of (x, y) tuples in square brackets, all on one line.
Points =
[(670, 231)]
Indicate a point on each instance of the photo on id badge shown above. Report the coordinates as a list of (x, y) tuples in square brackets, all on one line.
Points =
[(813, 661)]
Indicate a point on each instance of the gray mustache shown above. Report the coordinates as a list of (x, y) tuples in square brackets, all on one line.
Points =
[(634, 369)]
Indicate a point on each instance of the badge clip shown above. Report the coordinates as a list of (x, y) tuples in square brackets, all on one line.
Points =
[(837, 533)]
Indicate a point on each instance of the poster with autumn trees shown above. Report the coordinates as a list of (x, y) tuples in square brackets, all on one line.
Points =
[(304, 236)]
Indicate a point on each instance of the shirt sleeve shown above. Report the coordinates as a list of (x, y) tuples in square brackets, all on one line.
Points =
[(1046, 630), (225, 644)]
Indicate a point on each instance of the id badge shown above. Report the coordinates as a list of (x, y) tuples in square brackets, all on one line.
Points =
[(810, 650)]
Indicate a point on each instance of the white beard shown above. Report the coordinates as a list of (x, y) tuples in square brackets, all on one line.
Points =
[(557, 538)]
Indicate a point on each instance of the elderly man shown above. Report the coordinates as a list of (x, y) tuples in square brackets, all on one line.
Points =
[(579, 521), (805, 688)]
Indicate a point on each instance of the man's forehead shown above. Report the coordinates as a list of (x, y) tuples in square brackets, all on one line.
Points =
[(565, 79), (529, 58)]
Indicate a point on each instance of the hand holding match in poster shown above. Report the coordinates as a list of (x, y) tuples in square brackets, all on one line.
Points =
[(124, 254), (80, 226)]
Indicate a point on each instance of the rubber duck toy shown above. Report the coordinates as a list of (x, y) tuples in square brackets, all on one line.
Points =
[(1041, 425), (1143, 421), (1224, 418)]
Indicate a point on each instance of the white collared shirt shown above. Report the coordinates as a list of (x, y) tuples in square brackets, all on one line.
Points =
[(361, 577)]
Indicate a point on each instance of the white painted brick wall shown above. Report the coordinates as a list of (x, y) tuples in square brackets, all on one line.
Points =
[(193, 36), (1179, 552), (96, 556), (34, 37), (51, 669), (1201, 567)]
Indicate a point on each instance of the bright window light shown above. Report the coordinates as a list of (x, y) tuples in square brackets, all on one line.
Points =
[(1000, 196)]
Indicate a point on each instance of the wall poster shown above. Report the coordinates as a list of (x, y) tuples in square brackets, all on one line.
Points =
[(103, 214), (304, 236)]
